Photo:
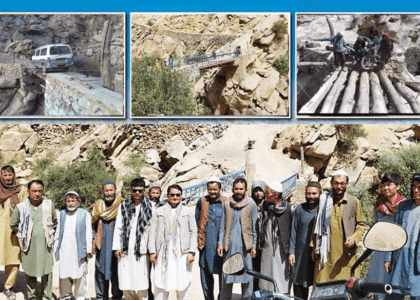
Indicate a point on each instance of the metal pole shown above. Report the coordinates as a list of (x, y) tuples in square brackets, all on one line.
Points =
[(302, 158)]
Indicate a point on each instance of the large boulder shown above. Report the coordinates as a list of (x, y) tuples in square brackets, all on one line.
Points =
[(322, 149), (173, 151), (7, 82), (11, 141)]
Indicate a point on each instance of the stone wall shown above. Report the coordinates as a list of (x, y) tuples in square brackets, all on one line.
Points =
[(64, 97), (12, 70)]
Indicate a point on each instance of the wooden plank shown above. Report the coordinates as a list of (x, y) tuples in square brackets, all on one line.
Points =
[(402, 89), (364, 97), (400, 105), (348, 101), (379, 106), (106, 55), (331, 99)]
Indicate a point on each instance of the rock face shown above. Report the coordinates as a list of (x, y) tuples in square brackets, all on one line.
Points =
[(23, 33), (245, 87)]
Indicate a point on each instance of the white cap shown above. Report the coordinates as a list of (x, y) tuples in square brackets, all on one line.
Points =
[(72, 192), (276, 186), (340, 173), (214, 179)]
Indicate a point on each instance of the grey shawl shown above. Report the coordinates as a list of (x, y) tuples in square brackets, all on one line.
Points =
[(322, 227)]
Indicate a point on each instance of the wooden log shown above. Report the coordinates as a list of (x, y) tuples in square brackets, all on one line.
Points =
[(311, 106), (413, 93), (379, 106), (348, 99), (330, 25), (106, 55), (331, 99), (363, 98), (400, 104), (311, 64), (407, 96)]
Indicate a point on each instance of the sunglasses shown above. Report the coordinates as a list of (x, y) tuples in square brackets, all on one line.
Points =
[(175, 195), (137, 191)]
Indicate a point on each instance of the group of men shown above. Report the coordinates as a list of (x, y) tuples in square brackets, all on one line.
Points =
[(383, 46), (129, 235)]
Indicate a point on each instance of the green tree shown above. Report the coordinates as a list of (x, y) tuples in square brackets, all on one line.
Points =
[(84, 177), (282, 64), (405, 162), (158, 90)]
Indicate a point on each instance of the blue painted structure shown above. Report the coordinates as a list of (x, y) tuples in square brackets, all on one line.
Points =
[(194, 192)]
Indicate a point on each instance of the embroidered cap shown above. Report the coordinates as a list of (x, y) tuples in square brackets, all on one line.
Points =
[(155, 184)]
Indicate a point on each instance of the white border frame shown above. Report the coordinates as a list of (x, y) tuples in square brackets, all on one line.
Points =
[(31, 117), (242, 117), (337, 116)]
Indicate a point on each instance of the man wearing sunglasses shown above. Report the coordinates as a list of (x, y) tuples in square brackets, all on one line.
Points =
[(131, 236), (172, 246)]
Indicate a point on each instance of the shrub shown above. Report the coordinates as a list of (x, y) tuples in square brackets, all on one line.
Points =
[(150, 23), (405, 162), (282, 64), (88, 68), (158, 90), (412, 58), (280, 29), (348, 133), (135, 163), (84, 177)]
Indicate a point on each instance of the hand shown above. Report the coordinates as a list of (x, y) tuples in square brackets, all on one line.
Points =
[(349, 242), (253, 253), (291, 259), (153, 258), (190, 258), (387, 266), (314, 255), (118, 253), (220, 251), (89, 255)]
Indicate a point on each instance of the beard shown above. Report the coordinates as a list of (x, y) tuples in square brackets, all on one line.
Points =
[(72, 208), (312, 201), (154, 199), (239, 197), (109, 198)]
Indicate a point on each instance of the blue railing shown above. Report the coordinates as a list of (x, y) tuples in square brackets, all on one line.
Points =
[(194, 192), (207, 59)]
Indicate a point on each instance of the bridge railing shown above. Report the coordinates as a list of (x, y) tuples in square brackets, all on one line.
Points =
[(207, 59), (192, 193)]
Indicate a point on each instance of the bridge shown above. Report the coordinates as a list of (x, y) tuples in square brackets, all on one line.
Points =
[(194, 192), (208, 61), (352, 92)]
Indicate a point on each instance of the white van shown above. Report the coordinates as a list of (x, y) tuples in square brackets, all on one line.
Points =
[(53, 56)]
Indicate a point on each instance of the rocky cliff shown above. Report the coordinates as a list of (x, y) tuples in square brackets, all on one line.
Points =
[(249, 86)]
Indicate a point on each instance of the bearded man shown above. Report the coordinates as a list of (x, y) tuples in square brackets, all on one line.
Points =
[(208, 213), (300, 238), (11, 193), (103, 222), (73, 242), (238, 233)]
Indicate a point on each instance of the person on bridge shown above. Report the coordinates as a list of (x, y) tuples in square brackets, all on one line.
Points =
[(374, 33), (238, 233), (300, 237), (404, 264), (131, 236), (103, 222), (339, 226), (385, 48), (360, 46), (73, 247), (172, 246), (208, 213), (274, 237), (340, 47), (34, 221), (11, 193)]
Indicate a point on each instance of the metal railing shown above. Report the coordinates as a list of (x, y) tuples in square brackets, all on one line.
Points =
[(192, 193), (207, 59)]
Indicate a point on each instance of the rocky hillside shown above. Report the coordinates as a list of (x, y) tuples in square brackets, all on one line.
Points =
[(20, 33), (190, 154), (251, 86)]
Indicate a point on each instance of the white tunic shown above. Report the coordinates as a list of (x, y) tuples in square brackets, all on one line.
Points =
[(179, 272), (70, 266), (133, 275)]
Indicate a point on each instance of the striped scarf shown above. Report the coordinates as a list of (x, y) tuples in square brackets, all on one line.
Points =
[(171, 223), (24, 224), (322, 227), (128, 210)]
